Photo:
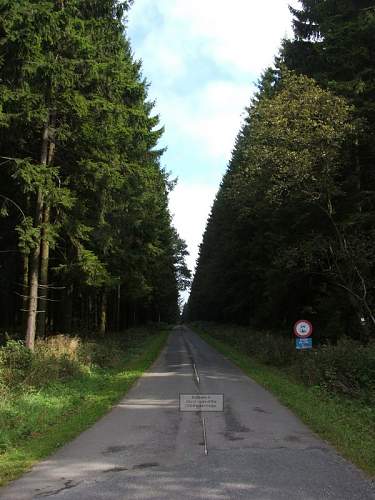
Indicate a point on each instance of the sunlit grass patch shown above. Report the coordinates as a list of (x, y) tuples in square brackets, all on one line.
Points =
[(35, 421)]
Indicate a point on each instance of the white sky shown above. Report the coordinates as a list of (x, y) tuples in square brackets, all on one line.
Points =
[(202, 58)]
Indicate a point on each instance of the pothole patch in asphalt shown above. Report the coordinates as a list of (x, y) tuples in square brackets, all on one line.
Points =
[(115, 469), (114, 449), (146, 465)]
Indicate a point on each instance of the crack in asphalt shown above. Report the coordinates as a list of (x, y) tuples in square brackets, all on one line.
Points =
[(115, 469), (146, 465), (68, 485)]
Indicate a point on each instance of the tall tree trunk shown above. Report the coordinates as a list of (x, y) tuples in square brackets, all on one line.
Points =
[(45, 245), (118, 310), (96, 313), (25, 278), (103, 313), (43, 282), (68, 309), (82, 319), (25, 288), (34, 279), (358, 173), (90, 315), (35, 254)]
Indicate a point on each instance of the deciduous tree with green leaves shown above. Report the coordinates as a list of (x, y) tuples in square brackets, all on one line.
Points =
[(281, 233)]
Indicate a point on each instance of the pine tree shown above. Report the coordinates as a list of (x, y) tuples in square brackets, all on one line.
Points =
[(80, 141)]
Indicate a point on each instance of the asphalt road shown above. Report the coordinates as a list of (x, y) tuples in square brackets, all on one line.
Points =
[(145, 448)]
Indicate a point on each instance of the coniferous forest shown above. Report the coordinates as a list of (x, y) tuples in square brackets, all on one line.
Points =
[(86, 237), (292, 229), (91, 266)]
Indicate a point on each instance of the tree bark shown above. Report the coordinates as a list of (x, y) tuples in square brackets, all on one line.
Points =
[(35, 254), (34, 279), (43, 282), (68, 309), (358, 174), (25, 288), (45, 245), (96, 313), (103, 313), (118, 311)]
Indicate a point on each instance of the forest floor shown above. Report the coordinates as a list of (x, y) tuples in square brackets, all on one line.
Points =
[(347, 424), (35, 421)]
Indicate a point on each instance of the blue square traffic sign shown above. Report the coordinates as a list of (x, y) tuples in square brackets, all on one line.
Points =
[(304, 343)]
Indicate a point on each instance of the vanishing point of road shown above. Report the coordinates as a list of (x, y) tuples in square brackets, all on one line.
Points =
[(145, 448)]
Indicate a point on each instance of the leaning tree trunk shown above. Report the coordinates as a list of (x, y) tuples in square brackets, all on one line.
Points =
[(35, 254)]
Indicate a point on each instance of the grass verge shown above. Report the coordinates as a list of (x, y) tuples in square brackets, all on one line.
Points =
[(60, 411), (346, 424)]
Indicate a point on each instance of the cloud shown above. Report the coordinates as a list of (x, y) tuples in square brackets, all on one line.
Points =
[(203, 58), (209, 118), (189, 204), (243, 35), (219, 106)]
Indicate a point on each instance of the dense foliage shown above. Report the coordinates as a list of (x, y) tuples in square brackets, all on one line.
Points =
[(292, 228), (86, 235), (346, 369)]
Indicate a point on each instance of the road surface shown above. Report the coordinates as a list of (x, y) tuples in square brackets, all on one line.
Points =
[(145, 448)]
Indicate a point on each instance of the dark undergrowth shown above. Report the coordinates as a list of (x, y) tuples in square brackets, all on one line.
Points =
[(346, 368)]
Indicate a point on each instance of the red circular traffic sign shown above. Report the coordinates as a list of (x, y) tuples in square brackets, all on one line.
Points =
[(303, 329)]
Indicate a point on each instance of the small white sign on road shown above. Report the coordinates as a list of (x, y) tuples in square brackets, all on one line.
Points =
[(201, 402)]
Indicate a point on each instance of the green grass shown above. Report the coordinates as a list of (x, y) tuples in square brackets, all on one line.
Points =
[(346, 424), (43, 420)]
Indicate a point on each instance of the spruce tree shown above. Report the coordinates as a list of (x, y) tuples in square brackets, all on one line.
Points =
[(79, 139)]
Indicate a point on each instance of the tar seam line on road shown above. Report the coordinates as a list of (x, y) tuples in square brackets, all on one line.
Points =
[(196, 373), (204, 435), (197, 382), (192, 362)]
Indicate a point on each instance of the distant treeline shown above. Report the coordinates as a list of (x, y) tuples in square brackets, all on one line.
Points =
[(85, 232), (292, 229)]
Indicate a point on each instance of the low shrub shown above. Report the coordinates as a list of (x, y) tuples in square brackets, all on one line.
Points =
[(271, 349), (107, 354), (57, 358), (347, 368), (15, 363)]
